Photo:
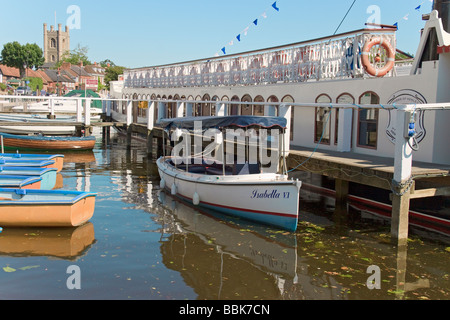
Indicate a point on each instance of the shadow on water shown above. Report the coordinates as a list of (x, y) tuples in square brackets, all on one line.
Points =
[(150, 245)]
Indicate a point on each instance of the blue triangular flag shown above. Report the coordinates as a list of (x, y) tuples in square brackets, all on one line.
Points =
[(238, 37), (418, 8), (255, 22), (274, 5), (223, 50), (396, 25)]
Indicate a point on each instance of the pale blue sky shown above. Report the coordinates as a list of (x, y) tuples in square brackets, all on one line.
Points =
[(137, 33)]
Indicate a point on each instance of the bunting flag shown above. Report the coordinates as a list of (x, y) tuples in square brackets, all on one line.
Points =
[(406, 17), (244, 32), (274, 5)]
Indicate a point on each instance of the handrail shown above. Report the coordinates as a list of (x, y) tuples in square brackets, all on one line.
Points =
[(319, 59)]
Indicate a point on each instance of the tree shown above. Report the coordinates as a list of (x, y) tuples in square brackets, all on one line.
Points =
[(107, 63), (112, 74), (79, 54), (22, 56)]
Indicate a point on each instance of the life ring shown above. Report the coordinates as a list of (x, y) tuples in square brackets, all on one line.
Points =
[(368, 66)]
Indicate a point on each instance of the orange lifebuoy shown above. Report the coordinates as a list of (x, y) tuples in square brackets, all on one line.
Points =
[(370, 68)]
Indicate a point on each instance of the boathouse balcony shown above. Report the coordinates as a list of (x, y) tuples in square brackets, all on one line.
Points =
[(330, 58)]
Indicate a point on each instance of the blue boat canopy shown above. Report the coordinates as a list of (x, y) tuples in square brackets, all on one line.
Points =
[(190, 123)]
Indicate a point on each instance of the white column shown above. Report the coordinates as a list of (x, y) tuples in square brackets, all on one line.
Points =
[(87, 112), (402, 175), (403, 152), (79, 110), (345, 125), (180, 109), (52, 107), (129, 112), (151, 114), (285, 112), (221, 109)]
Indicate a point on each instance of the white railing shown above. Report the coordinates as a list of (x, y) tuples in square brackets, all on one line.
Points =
[(337, 57)]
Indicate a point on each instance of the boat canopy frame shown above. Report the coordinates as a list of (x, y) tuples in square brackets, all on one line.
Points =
[(222, 122)]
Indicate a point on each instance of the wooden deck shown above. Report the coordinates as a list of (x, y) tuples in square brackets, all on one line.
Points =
[(372, 171)]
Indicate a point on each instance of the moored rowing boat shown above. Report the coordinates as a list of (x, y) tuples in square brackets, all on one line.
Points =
[(20, 182), (44, 208), (48, 175), (20, 157), (17, 142)]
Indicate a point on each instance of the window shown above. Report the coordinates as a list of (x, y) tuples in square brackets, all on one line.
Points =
[(322, 121), (259, 108), (234, 108), (206, 107), (246, 109), (52, 43), (368, 121)]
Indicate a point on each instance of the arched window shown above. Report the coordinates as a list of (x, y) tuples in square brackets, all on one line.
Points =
[(368, 121), (322, 127), (53, 43), (198, 107), (258, 109), (247, 109), (206, 107), (234, 108)]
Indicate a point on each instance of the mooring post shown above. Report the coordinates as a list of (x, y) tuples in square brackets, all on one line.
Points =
[(129, 113), (341, 187), (79, 110), (87, 112), (402, 181)]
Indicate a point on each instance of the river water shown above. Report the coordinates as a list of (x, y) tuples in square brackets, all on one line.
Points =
[(144, 244)]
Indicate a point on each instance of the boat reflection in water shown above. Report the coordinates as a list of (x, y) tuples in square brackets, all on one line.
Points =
[(217, 255), (63, 243)]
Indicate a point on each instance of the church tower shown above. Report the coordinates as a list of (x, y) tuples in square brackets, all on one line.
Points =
[(56, 43)]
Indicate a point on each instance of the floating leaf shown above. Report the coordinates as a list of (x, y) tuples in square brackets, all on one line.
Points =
[(28, 268), (8, 269)]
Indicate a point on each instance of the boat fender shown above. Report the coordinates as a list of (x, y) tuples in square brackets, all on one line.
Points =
[(173, 191), (162, 184), (368, 66), (196, 199)]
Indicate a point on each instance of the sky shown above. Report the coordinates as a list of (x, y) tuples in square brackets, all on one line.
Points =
[(139, 33)]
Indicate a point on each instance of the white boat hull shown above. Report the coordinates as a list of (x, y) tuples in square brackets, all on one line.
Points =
[(266, 198)]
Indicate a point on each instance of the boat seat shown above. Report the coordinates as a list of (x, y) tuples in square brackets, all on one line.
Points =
[(197, 169)]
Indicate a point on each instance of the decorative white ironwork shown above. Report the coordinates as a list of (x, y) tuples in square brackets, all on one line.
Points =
[(337, 57)]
